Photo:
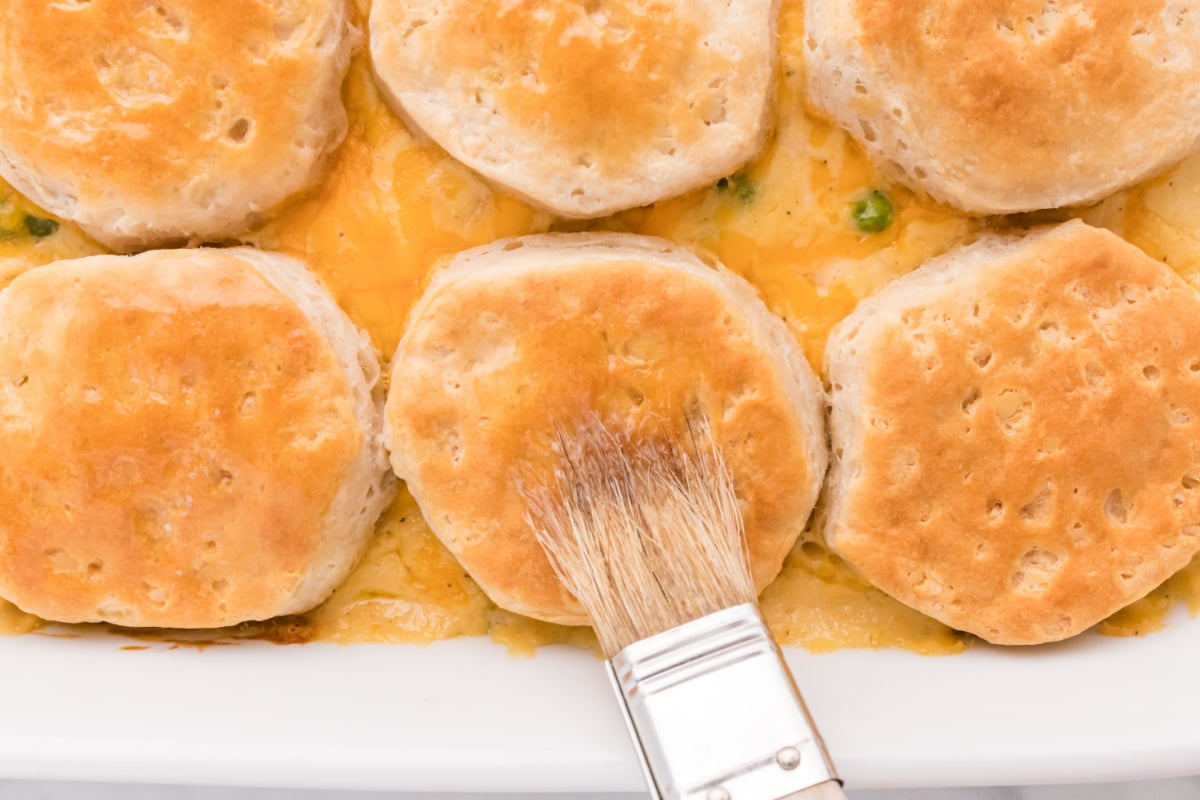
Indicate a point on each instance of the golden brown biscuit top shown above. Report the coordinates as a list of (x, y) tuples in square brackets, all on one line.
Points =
[(174, 93), (1026, 455), (603, 79), (492, 363), (1014, 90), (173, 432), (593, 69)]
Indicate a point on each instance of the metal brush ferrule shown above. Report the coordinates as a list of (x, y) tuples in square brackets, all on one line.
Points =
[(715, 713)]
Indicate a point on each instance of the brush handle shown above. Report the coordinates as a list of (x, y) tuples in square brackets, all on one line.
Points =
[(830, 790), (715, 714)]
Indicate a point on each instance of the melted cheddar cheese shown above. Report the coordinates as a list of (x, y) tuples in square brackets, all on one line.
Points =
[(393, 206)]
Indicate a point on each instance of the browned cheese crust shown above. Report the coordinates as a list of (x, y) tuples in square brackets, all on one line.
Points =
[(1000, 106), (173, 431), (492, 361), (1017, 434), (149, 123)]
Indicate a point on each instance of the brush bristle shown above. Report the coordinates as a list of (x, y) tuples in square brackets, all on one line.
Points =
[(647, 534)]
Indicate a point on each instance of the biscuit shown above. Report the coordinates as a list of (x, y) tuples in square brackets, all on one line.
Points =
[(1016, 430), (523, 335), (997, 106), (190, 439), (155, 123), (584, 109)]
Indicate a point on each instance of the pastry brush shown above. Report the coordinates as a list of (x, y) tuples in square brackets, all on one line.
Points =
[(648, 536)]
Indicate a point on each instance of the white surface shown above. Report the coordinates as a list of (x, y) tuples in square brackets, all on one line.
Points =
[(464, 716)]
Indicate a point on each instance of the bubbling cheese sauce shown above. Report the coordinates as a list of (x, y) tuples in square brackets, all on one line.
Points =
[(393, 205)]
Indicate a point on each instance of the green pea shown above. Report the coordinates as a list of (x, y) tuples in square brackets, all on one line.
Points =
[(739, 185), (40, 226), (872, 213)]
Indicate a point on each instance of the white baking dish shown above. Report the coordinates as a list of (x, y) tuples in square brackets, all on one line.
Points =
[(464, 715)]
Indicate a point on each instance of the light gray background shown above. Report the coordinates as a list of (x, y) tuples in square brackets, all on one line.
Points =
[(1178, 789)]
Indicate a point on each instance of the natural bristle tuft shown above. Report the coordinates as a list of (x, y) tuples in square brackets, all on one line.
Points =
[(645, 532)]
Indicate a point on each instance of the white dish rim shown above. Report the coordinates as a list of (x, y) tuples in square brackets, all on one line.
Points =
[(464, 715)]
